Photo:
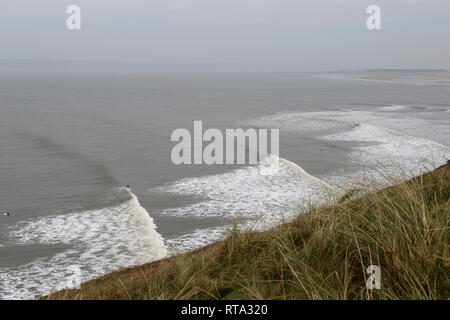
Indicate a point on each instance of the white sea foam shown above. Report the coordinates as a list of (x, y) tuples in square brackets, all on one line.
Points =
[(305, 121), (100, 241), (203, 237), (432, 130), (197, 239), (395, 107), (399, 142), (393, 152), (247, 194)]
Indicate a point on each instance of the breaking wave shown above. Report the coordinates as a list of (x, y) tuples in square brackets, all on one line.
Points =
[(259, 197), (386, 146), (98, 241)]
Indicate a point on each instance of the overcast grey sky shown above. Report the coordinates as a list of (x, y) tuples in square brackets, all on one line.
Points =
[(284, 35)]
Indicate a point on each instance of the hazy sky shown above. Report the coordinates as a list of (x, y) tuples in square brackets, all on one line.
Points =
[(285, 35)]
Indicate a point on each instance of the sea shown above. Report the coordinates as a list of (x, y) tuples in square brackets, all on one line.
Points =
[(70, 143)]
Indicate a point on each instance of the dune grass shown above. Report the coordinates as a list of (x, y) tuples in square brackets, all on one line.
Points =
[(322, 254)]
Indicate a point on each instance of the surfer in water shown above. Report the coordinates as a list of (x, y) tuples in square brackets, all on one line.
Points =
[(6, 214)]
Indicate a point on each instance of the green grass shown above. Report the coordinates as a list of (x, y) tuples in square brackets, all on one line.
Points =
[(323, 254)]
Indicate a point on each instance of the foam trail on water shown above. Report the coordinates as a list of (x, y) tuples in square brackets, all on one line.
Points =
[(391, 156), (345, 120), (197, 239), (257, 200), (304, 121), (99, 241), (394, 107), (393, 142)]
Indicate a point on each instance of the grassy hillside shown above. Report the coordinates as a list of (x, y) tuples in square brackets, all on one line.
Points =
[(323, 254)]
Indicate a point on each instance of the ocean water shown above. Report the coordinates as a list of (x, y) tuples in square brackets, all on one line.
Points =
[(70, 141)]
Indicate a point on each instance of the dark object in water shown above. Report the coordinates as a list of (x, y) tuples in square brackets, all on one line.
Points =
[(128, 186)]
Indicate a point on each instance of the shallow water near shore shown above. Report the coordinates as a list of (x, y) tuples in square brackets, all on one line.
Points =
[(69, 142)]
